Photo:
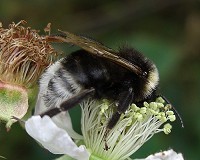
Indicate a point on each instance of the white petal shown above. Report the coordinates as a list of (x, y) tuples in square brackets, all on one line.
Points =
[(62, 120), (53, 138), (166, 155), (39, 106)]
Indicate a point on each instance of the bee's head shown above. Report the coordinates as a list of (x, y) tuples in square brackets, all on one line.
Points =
[(145, 81), (150, 79)]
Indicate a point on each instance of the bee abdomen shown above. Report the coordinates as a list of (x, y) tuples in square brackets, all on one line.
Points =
[(60, 85)]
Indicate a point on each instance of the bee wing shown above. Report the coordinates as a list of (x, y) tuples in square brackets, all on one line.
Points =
[(95, 48)]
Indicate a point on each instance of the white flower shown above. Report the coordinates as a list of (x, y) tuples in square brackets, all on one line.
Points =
[(53, 138), (135, 127), (166, 155)]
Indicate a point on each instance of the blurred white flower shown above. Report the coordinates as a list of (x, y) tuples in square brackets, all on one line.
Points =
[(166, 155), (135, 127)]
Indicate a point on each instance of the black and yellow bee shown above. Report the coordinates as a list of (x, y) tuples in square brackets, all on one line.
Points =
[(125, 76)]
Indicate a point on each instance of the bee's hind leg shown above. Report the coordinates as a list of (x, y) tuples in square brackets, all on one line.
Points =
[(69, 103)]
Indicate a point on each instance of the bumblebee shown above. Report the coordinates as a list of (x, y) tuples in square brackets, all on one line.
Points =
[(125, 76)]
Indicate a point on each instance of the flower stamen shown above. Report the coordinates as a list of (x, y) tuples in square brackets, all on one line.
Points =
[(135, 127)]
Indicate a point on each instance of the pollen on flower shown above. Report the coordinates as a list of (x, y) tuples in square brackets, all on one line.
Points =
[(134, 107), (153, 105), (136, 126), (104, 106), (160, 100), (143, 110), (170, 113), (160, 105), (167, 128), (172, 118), (138, 116)]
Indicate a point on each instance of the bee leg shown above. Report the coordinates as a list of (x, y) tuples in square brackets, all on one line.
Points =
[(124, 102), (69, 103)]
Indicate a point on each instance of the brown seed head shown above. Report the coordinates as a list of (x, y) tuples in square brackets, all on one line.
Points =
[(24, 54)]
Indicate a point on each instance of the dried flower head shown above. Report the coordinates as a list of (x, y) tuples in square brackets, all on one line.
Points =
[(24, 54)]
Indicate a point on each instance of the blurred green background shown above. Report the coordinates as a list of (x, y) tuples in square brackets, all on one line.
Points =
[(166, 31)]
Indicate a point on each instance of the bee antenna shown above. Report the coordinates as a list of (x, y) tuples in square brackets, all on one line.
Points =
[(179, 116)]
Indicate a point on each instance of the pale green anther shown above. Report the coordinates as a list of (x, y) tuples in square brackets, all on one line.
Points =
[(153, 112), (160, 105), (163, 119), (172, 118), (129, 122), (138, 116), (153, 105), (170, 113), (160, 100), (103, 119), (134, 107), (137, 123), (167, 128), (159, 116), (146, 104), (104, 107), (101, 112), (162, 114), (167, 131), (135, 116), (143, 110), (168, 106)]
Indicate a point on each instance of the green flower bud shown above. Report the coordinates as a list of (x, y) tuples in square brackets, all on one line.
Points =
[(13, 102)]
